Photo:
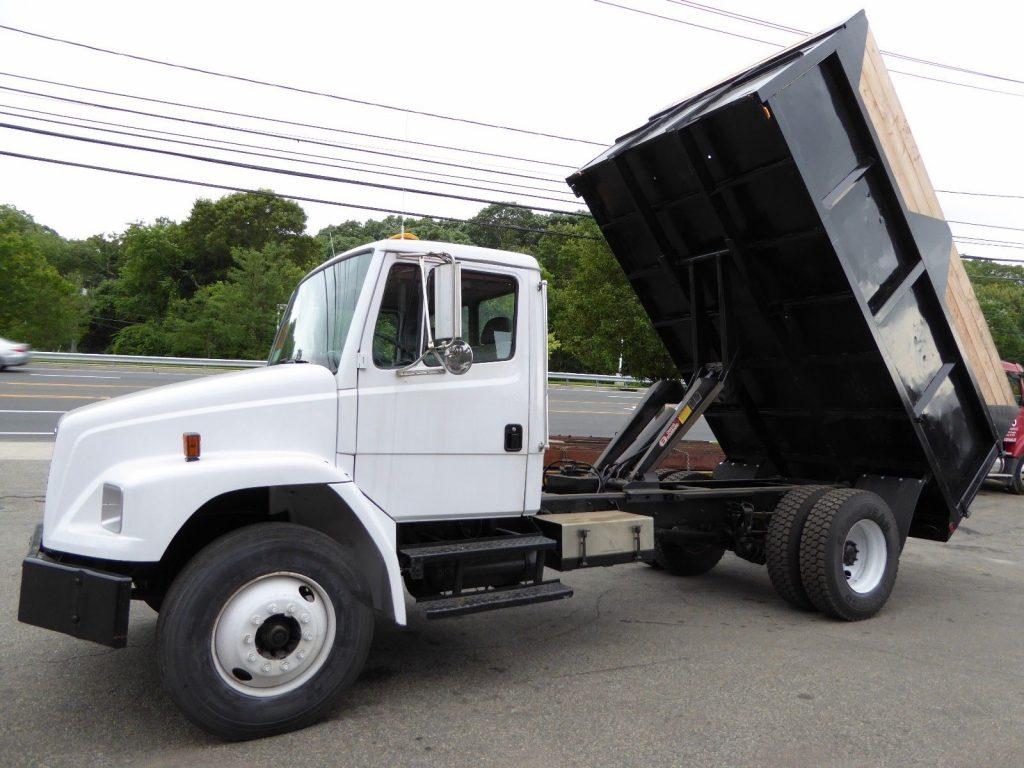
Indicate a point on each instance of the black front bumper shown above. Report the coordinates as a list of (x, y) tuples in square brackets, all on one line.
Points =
[(83, 602)]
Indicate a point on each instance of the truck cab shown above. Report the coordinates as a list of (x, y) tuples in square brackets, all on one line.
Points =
[(1008, 467)]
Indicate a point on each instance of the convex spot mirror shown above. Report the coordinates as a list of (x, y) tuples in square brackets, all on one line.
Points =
[(457, 356)]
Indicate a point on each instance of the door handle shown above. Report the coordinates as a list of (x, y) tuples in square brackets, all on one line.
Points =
[(513, 438)]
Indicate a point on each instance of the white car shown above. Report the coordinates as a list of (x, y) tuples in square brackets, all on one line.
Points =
[(13, 353)]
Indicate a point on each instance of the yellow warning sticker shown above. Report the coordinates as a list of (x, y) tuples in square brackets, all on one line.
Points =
[(685, 414)]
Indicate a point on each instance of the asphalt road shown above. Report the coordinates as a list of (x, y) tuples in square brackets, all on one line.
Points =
[(33, 398), (639, 668)]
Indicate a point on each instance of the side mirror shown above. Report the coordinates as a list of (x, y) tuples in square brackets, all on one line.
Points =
[(457, 357), (448, 302)]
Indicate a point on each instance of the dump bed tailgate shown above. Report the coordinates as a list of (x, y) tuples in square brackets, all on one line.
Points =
[(760, 222)]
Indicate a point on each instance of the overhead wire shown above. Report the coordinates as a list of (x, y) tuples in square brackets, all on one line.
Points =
[(283, 171), (288, 137), (295, 89), (280, 121), (272, 155), (286, 196)]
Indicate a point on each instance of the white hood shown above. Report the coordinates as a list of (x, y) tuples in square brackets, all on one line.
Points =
[(283, 408)]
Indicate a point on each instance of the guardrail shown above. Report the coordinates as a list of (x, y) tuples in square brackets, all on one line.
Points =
[(204, 362)]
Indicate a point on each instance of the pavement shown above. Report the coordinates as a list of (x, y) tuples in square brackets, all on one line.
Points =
[(639, 668), (32, 399)]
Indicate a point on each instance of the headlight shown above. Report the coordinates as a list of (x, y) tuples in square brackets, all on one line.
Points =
[(111, 508)]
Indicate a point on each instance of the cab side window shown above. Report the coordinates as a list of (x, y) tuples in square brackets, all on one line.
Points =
[(488, 317), (397, 333)]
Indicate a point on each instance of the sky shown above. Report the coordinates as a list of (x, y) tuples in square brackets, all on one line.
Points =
[(573, 68)]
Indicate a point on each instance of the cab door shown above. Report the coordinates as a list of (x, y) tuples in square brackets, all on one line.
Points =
[(432, 445)]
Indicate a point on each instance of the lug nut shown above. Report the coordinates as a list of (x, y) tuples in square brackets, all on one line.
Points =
[(272, 607), (285, 666), (247, 639), (252, 657), (266, 667), (305, 618), (291, 607), (256, 620), (307, 636), (300, 655)]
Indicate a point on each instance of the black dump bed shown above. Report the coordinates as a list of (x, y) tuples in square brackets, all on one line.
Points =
[(759, 222)]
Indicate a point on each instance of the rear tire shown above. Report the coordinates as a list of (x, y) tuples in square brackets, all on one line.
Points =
[(849, 554), (782, 544), (1017, 481), (262, 631)]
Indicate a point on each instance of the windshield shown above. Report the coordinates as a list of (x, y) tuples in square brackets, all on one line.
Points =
[(316, 323)]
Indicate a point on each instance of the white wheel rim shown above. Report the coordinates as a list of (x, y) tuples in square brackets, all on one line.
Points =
[(246, 643), (864, 556)]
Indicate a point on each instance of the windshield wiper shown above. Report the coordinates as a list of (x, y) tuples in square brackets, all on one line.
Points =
[(294, 360)]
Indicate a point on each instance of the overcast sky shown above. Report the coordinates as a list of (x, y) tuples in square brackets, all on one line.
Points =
[(570, 67)]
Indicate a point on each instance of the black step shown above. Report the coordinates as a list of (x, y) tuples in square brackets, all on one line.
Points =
[(491, 599), (415, 555)]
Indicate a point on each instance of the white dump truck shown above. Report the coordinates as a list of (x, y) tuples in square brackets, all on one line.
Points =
[(391, 453)]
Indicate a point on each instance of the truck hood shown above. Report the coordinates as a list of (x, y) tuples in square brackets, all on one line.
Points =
[(280, 409)]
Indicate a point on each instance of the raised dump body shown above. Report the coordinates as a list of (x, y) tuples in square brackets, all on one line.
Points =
[(761, 226)]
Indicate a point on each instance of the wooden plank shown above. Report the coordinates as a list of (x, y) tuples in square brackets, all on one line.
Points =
[(890, 122)]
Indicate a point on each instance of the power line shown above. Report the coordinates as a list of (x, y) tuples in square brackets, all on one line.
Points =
[(780, 45), (254, 131), (987, 226), (797, 31), (149, 130), (272, 154), (296, 89), (281, 121), (299, 198), (283, 171), (979, 194)]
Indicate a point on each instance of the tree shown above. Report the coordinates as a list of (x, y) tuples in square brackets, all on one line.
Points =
[(37, 305), (236, 317), (1000, 292), (152, 271), (597, 315), (243, 220)]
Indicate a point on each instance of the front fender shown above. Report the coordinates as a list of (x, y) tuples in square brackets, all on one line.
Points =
[(160, 493)]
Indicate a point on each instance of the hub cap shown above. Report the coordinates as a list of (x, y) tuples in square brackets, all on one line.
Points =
[(864, 556), (273, 634)]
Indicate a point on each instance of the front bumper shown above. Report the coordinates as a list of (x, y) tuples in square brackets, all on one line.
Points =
[(82, 602)]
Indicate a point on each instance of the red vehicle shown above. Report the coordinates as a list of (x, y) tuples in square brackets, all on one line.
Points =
[(1009, 467)]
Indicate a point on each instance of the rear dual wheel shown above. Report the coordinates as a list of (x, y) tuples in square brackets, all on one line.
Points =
[(834, 550)]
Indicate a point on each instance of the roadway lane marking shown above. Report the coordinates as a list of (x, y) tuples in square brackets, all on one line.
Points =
[(72, 376), (16, 411), (24, 396), (8, 383)]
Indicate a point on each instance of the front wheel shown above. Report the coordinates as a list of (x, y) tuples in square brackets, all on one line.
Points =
[(261, 632)]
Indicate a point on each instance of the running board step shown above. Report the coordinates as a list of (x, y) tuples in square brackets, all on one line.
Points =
[(415, 556), (492, 599)]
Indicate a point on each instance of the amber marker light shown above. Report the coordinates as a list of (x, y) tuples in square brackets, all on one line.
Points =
[(190, 442)]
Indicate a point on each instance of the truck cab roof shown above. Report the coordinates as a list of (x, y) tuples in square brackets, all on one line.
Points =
[(465, 253)]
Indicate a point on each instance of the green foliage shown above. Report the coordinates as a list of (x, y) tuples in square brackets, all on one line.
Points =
[(594, 312), (1000, 292), (37, 305), (236, 317)]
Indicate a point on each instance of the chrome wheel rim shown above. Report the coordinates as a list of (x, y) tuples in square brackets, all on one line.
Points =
[(273, 634), (864, 556)]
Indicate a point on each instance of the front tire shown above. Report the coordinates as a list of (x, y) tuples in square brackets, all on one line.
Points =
[(262, 631), (849, 554)]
